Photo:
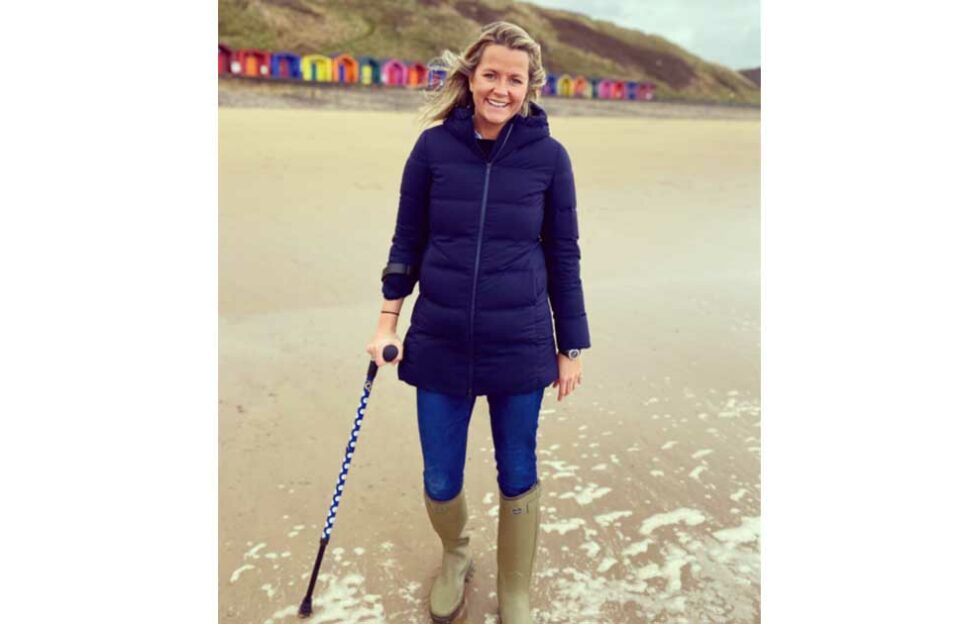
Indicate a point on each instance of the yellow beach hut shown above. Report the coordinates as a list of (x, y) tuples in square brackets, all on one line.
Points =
[(317, 68), (565, 86)]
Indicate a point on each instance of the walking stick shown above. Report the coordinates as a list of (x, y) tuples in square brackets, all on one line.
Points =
[(390, 353)]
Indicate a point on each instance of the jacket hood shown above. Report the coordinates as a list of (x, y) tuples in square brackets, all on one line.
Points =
[(525, 130)]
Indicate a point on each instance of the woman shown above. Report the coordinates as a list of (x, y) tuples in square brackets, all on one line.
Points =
[(487, 227)]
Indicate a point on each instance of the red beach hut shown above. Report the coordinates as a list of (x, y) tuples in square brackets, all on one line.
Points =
[(393, 72), (646, 91), (223, 59), (344, 68), (252, 62), (417, 75), (618, 90)]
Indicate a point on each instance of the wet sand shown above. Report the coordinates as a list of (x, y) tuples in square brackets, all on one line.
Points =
[(650, 470)]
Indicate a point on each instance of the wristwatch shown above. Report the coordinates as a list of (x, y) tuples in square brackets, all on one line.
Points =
[(572, 353)]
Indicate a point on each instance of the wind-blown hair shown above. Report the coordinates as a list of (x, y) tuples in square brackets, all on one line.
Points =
[(455, 89)]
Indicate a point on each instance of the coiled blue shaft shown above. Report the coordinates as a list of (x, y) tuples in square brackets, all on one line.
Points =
[(345, 469)]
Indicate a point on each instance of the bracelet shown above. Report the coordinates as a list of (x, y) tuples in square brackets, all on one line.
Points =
[(387, 312)]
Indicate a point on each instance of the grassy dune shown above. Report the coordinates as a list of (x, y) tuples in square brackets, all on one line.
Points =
[(420, 29)]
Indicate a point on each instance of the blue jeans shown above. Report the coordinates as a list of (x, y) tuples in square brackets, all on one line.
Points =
[(443, 421)]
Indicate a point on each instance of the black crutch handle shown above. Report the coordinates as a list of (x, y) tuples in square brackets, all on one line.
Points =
[(390, 354)]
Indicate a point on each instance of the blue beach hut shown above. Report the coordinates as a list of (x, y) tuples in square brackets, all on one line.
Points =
[(286, 65), (631, 90)]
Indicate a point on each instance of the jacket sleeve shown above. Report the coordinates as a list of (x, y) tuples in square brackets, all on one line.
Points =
[(563, 256), (411, 229)]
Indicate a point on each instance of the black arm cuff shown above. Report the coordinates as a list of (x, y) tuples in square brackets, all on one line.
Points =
[(395, 268)]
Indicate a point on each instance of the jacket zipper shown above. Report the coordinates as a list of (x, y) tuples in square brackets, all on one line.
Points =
[(478, 257)]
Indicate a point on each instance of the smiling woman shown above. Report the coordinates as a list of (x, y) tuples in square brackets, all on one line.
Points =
[(487, 227)]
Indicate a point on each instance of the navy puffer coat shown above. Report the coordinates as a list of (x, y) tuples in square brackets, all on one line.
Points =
[(492, 242)]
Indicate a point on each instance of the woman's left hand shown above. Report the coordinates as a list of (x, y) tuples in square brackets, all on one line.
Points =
[(571, 373)]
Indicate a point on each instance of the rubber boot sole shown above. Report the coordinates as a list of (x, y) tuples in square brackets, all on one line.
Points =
[(449, 619)]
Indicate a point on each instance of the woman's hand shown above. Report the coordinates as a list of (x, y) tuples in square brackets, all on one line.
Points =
[(571, 373), (380, 340)]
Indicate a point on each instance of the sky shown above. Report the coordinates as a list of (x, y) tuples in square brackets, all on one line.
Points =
[(727, 32)]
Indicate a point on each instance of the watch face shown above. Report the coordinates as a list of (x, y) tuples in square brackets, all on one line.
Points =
[(574, 354)]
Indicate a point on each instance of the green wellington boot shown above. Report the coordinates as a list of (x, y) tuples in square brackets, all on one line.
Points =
[(448, 589), (519, 520)]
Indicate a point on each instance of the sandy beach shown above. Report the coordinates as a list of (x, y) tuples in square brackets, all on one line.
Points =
[(650, 470)]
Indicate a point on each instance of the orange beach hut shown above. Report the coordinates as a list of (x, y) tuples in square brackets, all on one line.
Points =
[(417, 75), (345, 68), (582, 87), (252, 62)]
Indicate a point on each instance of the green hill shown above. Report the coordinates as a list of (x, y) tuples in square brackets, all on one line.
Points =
[(420, 29)]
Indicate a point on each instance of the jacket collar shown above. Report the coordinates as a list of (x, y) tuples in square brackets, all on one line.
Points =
[(520, 130)]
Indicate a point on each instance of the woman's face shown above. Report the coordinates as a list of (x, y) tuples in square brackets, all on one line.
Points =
[(498, 86)]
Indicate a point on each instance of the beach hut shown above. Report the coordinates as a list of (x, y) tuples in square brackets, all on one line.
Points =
[(646, 91), (604, 89), (317, 68), (393, 72), (417, 75), (565, 86), (286, 66), (631, 90), (582, 87), (549, 87), (344, 68), (369, 70), (437, 73), (618, 90), (223, 59), (595, 85), (252, 62)]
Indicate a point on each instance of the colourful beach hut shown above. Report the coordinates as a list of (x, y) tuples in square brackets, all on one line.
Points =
[(595, 85), (317, 68), (646, 91), (604, 89), (344, 68), (223, 59), (369, 70), (550, 87), (252, 62), (394, 73), (437, 73), (286, 66), (631, 90), (582, 87), (417, 75), (565, 86), (618, 90)]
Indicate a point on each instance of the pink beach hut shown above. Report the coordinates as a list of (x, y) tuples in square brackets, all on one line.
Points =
[(344, 68), (393, 72), (605, 88)]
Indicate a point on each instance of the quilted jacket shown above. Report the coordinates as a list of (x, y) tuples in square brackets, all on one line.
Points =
[(492, 244)]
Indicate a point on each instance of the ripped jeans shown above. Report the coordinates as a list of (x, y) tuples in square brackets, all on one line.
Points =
[(443, 421)]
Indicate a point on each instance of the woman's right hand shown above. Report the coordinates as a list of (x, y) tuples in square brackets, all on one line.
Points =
[(376, 347)]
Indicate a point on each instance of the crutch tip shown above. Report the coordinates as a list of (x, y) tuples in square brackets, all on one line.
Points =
[(305, 609)]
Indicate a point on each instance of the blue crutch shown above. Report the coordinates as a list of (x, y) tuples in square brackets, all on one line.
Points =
[(390, 354)]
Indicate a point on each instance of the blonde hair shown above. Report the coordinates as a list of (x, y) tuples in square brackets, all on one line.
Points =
[(455, 89)]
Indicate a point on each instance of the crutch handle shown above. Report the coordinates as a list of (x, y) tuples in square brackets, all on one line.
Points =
[(389, 355)]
